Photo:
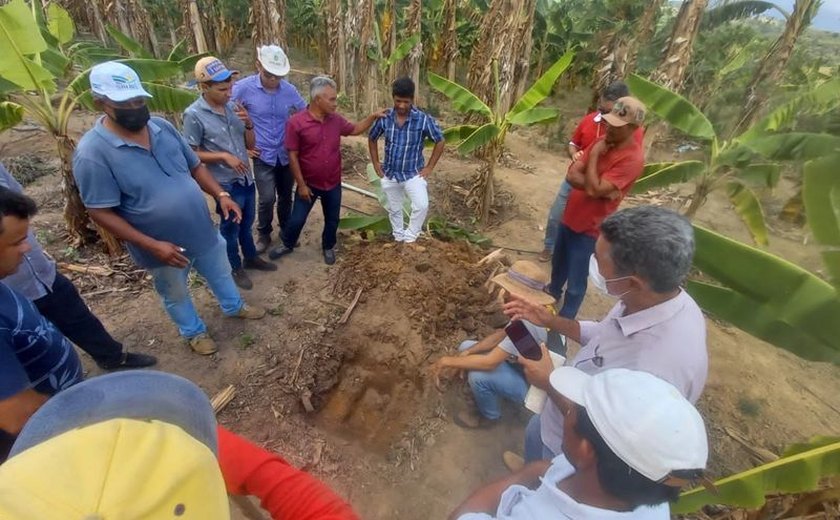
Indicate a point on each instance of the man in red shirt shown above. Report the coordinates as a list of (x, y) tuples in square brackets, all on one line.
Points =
[(600, 179), (313, 139), (591, 128)]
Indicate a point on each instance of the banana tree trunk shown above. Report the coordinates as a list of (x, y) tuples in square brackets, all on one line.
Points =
[(336, 38), (415, 18), (613, 56), (772, 66), (482, 194), (450, 38), (268, 20), (196, 28), (644, 29), (496, 43), (698, 198), (677, 55), (76, 218), (522, 65)]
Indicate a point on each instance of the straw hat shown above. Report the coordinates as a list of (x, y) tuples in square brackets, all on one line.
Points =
[(525, 279)]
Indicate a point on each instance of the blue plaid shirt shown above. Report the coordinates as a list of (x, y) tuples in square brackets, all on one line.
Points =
[(404, 144)]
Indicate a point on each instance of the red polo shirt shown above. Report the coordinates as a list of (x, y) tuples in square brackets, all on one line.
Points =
[(318, 146), (621, 167), (593, 127)]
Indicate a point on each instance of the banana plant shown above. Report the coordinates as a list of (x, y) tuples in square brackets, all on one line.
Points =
[(28, 83), (490, 135), (799, 469), (735, 165)]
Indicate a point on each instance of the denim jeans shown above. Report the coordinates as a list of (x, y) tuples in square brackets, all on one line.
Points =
[(64, 307), (239, 235), (506, 380), (171, 285), (570, 268), (331, 206), (274, 184), (534, 447), (555, 215)]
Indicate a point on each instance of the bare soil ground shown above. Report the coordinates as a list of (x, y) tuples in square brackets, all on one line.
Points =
[(380, 433)]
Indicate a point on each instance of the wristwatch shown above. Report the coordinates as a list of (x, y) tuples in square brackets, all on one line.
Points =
[(222, 194)]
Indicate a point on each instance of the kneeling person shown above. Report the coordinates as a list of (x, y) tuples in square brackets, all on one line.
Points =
[(491, 374)]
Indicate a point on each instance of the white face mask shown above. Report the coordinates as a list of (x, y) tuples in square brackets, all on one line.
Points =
[(600, 282)]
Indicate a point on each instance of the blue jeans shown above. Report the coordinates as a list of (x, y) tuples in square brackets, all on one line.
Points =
[(570, 268), (555, 215), (506, 380), (331, 206), (171, 285), (239, 235), (534, 447)]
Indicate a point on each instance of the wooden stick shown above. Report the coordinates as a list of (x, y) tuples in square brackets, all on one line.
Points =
[(297, 366), (248, 509), (492, 256), (352, 306), (86, 269), (223, 398)]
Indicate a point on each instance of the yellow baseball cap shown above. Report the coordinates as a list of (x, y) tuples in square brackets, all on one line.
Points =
[(100, 466)]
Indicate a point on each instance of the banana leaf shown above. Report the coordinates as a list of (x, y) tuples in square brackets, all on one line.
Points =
[(794, 146), (767, 296), (134, 48), (821, 197), (748, 207), (60, 24), (658, 175), (533, 116), (402, 50), (10, 114), (813, 443), (148, 70), (542, 87), (792, 474), (169, 99), (761, 174), (462, 99), (479, 138), (671, 107), (375, 223), (819, 100), (20, 38)]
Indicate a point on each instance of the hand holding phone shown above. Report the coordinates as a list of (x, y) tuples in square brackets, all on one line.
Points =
[(523, 340)]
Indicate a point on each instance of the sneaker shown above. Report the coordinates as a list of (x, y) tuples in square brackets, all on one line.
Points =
[(129, 360), (279, 251), (472, 420), (248, 312), (545, 256), (262, 243), (329, 256), (513, 461), (240, 277), (258, 264), (203, 344)]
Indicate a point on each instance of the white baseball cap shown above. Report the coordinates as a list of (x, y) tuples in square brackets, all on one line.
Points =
[(116, 81), (273, 60), (645, 421)]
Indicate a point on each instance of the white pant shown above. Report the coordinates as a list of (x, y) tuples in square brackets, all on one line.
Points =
[(395, 192)]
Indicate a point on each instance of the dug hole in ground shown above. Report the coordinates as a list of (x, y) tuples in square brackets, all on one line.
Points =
[(379, 432)]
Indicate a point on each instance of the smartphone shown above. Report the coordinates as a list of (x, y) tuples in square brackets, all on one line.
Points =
[(523, 340)]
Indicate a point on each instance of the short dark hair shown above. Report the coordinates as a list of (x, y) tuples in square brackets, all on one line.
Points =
[(15, 204), (616, 477), (615, 91), (403, 87)]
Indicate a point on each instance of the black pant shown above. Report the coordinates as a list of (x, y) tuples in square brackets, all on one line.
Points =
[(331, 206), (274, 183), (65, 308)]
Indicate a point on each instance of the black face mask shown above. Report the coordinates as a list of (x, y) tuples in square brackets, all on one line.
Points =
[(132, 119)]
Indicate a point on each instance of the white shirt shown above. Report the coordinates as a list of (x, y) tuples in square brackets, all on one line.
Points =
[(549, 502)]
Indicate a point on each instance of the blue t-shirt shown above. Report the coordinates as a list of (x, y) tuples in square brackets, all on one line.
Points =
[(33, 353), (153, 190)]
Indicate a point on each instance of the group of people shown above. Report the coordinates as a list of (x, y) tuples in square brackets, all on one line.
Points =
[(617, 436)]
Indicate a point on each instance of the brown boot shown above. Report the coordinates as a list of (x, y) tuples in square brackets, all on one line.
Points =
[(249, 312), (203, 344)]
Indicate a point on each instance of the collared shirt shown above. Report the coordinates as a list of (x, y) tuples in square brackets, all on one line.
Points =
[(549, 501), (269, 111), (621, 167), (404, 144), (153, 190), (318, 144), (33, 353), (667, 340), (212, 131), (36, 274), (593, 127)]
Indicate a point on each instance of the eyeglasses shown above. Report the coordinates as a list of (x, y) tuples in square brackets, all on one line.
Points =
[(270, 76), (596, 360)]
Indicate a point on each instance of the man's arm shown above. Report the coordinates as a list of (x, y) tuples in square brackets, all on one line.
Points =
[(167, 252), (373, 149), (573, 151), (363, 125), (483, 362), (221, 157), (209, 185), (487, 498), (594, 184), (17, 409), (575, 175)]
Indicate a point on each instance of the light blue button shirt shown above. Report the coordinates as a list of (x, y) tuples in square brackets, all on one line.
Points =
[(206, 129)]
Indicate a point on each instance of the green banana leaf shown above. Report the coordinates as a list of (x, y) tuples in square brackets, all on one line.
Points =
[(60, 24), (821, 197), (795, 146), (657, 175), (375, 223), (456, 134), (134, 48), (179, 51), (767, 296), (761, 174), (819, 100), (793, 474), (148, 70), (10, 114), (542, 87), (187, 65), (533, 116), (748, 207), (402, 50), (813, 443), (376, 183), (671, 107), (169, 99), (479, 138), (20, 38), (462, 99)]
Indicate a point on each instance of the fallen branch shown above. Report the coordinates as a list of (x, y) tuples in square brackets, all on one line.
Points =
[(86, 269), (352, 306), (489, 285), (223, 398), (105, 291), (492, 256), (297, 366), (762, 455), (306, 400)]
